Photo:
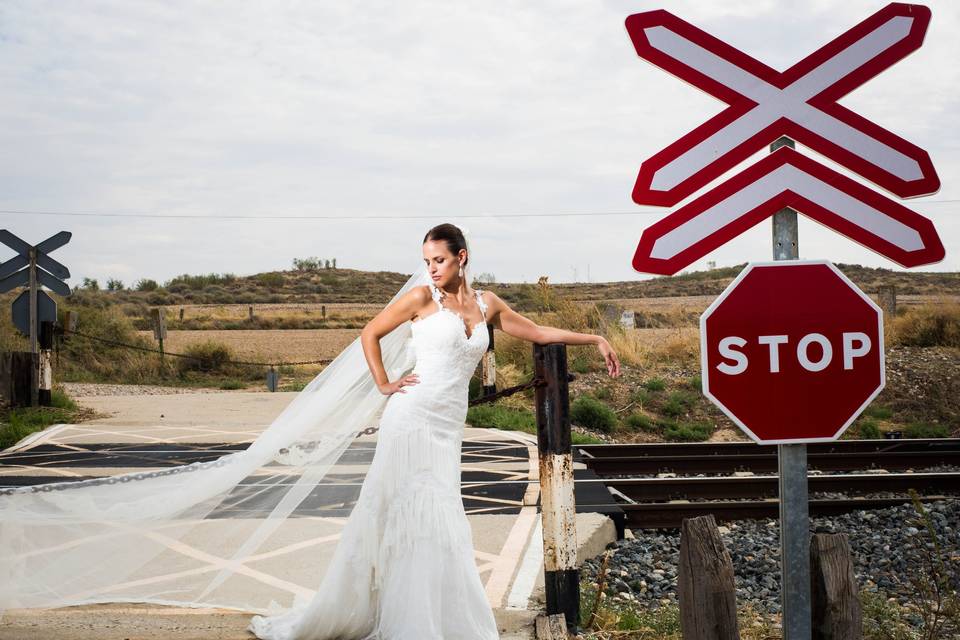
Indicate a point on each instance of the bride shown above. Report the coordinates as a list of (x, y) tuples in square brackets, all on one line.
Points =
[(403, 567)]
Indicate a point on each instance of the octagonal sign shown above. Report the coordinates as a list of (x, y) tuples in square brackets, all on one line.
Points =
[(792, 351)]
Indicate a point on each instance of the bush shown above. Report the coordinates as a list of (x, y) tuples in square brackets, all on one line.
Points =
[(640, 422), (271, 280), (230, 385), (929, 325), (655, 384), (925, 430), (500, 417), (593, 414), (602, 393), (878, 411), (687, 432), (208, 355), (868, 429), (678, 404)]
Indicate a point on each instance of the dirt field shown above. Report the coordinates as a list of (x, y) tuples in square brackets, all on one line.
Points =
[(310, 344), (289, 344)]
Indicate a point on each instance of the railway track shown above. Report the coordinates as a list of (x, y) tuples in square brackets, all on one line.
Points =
[(728, 457), (658, 485)]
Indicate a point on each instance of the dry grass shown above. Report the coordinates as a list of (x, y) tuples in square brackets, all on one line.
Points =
[(928, 325), (288, 345), (650, 347)]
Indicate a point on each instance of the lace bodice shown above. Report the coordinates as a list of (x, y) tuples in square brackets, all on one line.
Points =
[(442, 346)]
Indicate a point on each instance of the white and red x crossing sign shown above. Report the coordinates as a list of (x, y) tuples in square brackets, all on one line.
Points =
[(800, 103)]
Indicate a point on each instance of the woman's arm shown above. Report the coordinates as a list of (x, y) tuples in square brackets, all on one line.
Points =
[(392, 316), (514, 324)]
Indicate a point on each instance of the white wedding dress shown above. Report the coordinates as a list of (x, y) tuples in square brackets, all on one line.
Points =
[(404, 566)]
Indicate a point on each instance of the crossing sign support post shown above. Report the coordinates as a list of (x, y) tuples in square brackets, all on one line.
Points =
[(792, 475)]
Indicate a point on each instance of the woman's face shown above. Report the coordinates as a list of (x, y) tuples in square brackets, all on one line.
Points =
[(443, 266)]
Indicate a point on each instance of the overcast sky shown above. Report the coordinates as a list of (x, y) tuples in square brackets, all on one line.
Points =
[(441, 109)]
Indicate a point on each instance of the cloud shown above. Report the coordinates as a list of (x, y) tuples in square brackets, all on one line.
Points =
[(415, 108)]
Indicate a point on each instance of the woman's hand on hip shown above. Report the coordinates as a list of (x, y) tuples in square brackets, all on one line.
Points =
[(397, 385)]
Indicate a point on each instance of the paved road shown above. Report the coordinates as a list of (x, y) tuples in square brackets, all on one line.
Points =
[(153, 431)]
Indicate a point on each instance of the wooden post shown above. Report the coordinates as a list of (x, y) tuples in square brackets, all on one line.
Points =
[(561, 576), (706, 591), (836, 600), (250, 312), (552, 627), (181, 314), (887, 299), (159, 327), (323, 311), (489, 366)]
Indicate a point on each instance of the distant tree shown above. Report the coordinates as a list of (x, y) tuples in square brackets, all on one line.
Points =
[(90, 284), (334, 263), (486, 278), (146, 284), (114, 285), (327, 264), (312, 263)]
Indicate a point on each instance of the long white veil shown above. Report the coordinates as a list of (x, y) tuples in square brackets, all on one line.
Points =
[(171, 536)]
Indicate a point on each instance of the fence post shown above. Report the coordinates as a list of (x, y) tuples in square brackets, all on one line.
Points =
[(836, 602), (159, 327), (561, 577), (705, 588), (887, 299)]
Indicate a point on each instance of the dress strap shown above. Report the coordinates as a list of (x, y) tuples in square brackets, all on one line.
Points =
[(435, 293), (483, 305)]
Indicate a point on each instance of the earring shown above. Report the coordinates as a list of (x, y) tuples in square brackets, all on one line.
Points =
[(461, 271)]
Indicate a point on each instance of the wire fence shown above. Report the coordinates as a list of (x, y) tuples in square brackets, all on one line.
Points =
[(64, 331)]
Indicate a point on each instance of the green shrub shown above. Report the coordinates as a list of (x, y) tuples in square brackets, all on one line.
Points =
[(501, 417), (593, 414), (640, 397), (655, 384), (230, 385), (602, 393), (695, 383), (878, 412), (640, 422), (678, 403), (687, 432), (926, 430), (579, 364), (868, 429)]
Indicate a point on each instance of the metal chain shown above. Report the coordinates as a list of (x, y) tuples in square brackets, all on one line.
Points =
[(65, 331)]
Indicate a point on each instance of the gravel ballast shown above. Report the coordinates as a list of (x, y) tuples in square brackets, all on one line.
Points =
[(888, 546)]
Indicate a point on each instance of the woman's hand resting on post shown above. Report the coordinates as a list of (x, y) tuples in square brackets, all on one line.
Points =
[(396, 386), (609, 357)]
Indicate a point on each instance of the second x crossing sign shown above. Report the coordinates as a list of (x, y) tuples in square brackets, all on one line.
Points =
[(800, 103)]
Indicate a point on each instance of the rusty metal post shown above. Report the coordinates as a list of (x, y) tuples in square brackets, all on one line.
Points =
[(489, 366), (558, 510)]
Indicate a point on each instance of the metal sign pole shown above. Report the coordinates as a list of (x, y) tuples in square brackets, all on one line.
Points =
[(34, 334), (792, 471)]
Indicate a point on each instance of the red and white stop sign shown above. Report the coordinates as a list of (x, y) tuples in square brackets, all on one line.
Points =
[(792, 351)]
